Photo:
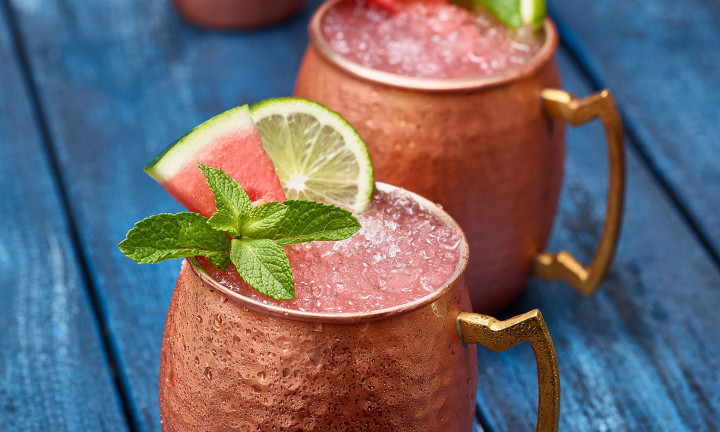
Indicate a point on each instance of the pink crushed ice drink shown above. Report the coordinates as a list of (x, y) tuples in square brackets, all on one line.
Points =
[(402, 253), (427, 40), (372, 352)]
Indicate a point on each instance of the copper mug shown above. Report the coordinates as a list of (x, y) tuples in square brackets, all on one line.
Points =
[(232, 363), (490, 150), (232, 14)]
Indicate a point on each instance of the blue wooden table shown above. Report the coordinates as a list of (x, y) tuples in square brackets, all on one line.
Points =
[(91, 90)]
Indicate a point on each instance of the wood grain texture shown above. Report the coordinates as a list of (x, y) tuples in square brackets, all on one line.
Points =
[(119, 80), (643, 353), (53, 372), (661, 59)]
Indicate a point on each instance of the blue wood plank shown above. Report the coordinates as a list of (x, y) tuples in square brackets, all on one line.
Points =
[(119, 79), (53, 370), (661, 59), (643, 353)]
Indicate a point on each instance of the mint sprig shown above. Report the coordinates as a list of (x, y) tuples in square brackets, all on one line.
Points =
[(249, 237), (231, 201), (306, 221), (512, 13), (167, 236), (262, 262)]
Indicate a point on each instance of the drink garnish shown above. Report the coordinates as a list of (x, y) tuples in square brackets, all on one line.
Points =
[(229, 141), (250, 237), (512, 13), (316, 153)]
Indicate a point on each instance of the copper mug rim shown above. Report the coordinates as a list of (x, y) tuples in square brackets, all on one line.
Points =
[(355, 317), (428, 84)]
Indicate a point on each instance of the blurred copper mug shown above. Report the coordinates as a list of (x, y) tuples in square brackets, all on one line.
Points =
[(230, 14), (490, 150), (230, 363)]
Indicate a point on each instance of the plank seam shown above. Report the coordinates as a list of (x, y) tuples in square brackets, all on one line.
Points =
[(482, 419), (571, 44), (110, 350)]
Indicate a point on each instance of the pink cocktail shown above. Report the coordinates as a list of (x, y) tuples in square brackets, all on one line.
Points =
[(469, 114), (402, 253), (427, 40), (383, 348)]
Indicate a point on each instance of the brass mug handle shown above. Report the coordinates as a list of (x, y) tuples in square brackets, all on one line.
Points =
[(498, 336), (564, 106)]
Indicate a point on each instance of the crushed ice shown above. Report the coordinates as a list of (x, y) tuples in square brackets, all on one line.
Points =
[(426, 40), (400, 254)]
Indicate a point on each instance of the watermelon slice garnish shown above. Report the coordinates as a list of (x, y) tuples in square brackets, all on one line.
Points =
[(229, 141)]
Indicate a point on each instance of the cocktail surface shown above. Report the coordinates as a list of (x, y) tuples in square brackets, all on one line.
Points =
[(402, 253), (427, 40)]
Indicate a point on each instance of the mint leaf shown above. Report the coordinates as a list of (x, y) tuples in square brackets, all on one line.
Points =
[(262, 218), (507, 11), (221, 261), (512, 13), (167, 236), (262, 263), (306, 221), (231, 201)]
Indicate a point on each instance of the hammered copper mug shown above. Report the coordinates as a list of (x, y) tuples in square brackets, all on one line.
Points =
[(230, 363), (490, 150), (236, 14)]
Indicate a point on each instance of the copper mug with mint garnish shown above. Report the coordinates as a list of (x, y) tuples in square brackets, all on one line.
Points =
[(469, 114), (294, 314), (390, 349)]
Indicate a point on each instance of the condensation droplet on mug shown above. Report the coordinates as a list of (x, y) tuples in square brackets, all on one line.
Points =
[(199, 319), (170, 379), (261, 375), (317, 327), (217, 323), (315, 356), (207, 374)]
